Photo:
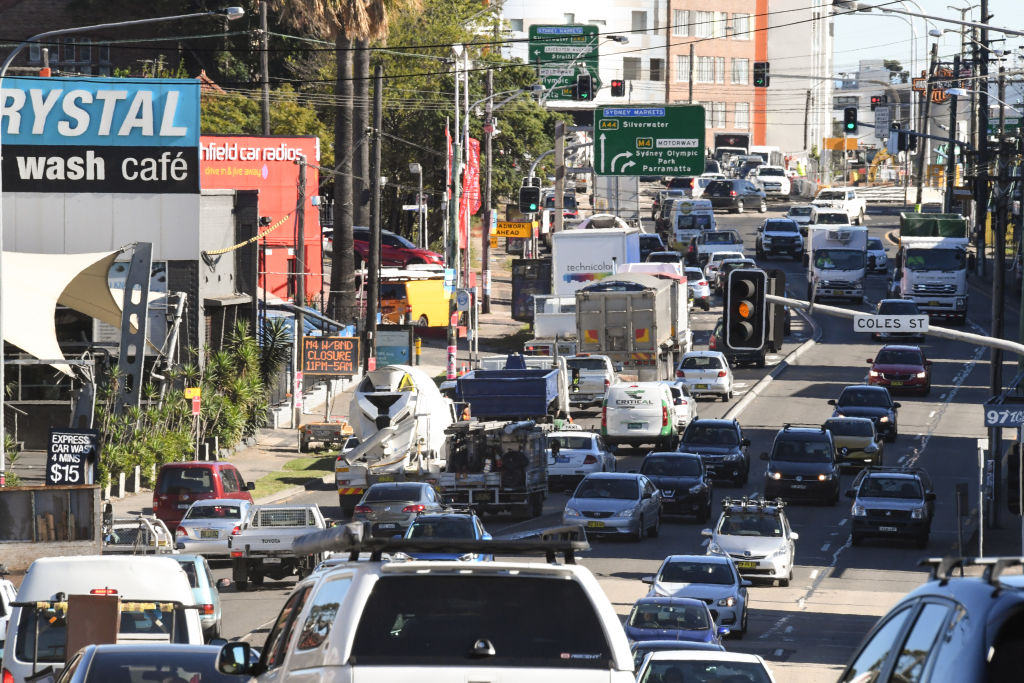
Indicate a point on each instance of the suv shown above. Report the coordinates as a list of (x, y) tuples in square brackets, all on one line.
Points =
[(722, 447), (802, 464), (779, 237), (865, 400), (929, 630), (771, 179), (756, 534), (892, 502), (395, 250), (443, 622), (179, 484), (650, 243), (736, 195)]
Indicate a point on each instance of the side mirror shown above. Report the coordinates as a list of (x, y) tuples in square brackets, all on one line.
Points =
[(896, 405), (486, 537), (648, 579), (724, 630), (234, 659), (927, 363), (746, 583), (250, 486), (794, 535), (930, 496), (871, 360), (850, 493), (745, 442), (831, 401), (707, 533), (764, 455)]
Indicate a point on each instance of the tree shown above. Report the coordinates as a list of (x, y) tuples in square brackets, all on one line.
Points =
[(893, 65)]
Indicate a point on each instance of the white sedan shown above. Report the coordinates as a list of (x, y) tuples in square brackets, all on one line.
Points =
[(706, 373), (684, 405), (573, 455), (700, 290)]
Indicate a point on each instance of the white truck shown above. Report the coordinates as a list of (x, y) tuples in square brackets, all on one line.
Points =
[(708, 243), (772, 180), (582, 257), (263, 545), (399, 416), (837, 262), (931, 264), (845, 198)]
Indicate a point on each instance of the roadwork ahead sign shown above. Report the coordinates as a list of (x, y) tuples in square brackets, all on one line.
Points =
[(662, 140)]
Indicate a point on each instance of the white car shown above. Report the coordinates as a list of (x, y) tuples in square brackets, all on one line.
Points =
[(671, 666), (877, 260), (7, 595), (578, 454), (756, 534), (715, 262), (710, 578), (706, 373), (771, 179), (700, 290), (801, 215), (684, 405), (208, 524)]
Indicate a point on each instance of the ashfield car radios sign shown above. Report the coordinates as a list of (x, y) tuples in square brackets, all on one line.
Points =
[(72, 456), (334, 356), (100, 135), (914, 324)]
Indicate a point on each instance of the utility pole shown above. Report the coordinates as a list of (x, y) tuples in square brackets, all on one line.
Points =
[(951, 147), (922, 145), (981, 127), (485, 248), (689, 81), (300, 282), (264, 69), (559, 175), (807, 118), (452, 253), (998, 290), (373, 262)]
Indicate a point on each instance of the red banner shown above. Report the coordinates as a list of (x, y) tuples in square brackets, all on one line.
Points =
[(471, 176), (448, 160)]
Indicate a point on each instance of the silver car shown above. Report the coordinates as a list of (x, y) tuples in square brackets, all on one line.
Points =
[(756, 534), (710, 578), (613, 503), (208, 524), (388, 509)]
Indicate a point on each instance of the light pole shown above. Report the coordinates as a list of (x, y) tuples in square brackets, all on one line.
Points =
[(417, 170), (230, 13)]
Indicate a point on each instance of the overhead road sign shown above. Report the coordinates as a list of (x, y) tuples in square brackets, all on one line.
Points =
[(562, 53), (662, 140)]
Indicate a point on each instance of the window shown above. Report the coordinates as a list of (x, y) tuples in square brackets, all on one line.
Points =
[(229, 481), (719, 69), (740, 71), (870, 660), (277, 640), (68, 51), (657, 69), (718, 28), (323, 613), (705, 70), (599, 22), (742, 119), (702, 25), (682, 68), (843, 101), (631, 68), (515, 25), (639, 21), (681, 20), (914, 655), (84, 50), (35, 54), (741, 26), (718, 114)]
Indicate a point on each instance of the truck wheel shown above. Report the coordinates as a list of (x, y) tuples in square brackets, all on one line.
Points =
[(348, 502), (303, 446), (257, 579), (242, 585), (536, 505)]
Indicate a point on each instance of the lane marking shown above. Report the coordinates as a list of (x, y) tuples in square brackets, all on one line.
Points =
[(843, 521), (814, 575), (788, 630), (778, 653), (824, 548)]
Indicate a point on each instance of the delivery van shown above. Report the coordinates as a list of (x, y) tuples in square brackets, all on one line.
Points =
[(414, 295), (690, 217), (156, 605), (636, 413)]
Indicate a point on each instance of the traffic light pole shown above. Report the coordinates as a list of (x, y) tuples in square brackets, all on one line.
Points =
[(922, 152), (951, 147)]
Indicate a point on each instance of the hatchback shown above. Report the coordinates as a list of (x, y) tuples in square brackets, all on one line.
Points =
[(573, 455), (700, 291), (208, 524), (204, 590), (857, 443), (672, 619), (878, 262), (449, 526), (607, 503), (395, 250), (706, 373), (704, 667), (389, 508), (901, 368), (712, 579), (179, 484), (642, 648)]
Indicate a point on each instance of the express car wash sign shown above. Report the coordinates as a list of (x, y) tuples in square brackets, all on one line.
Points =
[(100, 135)]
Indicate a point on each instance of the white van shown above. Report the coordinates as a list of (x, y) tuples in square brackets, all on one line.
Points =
[(155, 606), (638, 412), (690, 217)]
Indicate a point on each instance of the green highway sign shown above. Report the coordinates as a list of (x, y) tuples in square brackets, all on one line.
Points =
[(661, 140), (563, 52), (1012, 125)]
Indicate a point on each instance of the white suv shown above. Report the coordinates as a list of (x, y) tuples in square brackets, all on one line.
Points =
[(757, 536)]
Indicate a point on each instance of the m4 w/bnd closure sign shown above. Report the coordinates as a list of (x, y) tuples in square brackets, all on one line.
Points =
[(658, 140)]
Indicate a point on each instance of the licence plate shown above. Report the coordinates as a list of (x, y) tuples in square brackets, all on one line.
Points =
[(208, 533), (932, 303), (897, 384), (635, 425), (746, 565), (887, 528), (387, 525), (798, 486), (482, 495), (183, 506), (701, 386), (595, 525), (386, 477)]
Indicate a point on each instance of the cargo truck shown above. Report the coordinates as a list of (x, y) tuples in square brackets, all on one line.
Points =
[(836, 262), (583, 257), (931, 264), (639, 321)]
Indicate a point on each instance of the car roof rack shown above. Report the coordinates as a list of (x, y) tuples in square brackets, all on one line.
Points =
[(352, 539), (793, 425), (942, 567), (894, 469), (753, 503)]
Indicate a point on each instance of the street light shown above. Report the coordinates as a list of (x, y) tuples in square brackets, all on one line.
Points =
[(936, 33), (417, 170), (960, 92), (230, 13)]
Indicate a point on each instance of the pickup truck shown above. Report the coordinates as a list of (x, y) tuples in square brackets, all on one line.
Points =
[(707, 243), (590, 375), (844, 198), (263, 544), (771, 179)]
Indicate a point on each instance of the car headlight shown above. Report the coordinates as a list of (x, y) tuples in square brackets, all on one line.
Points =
[(871, 449), (628, 512), (859, 511), (874, 373), (697, 488), (715, 548), (917, 513), (775, 475), (884, 418), (732, 456), (571, 512), (779, 552), (727, 602), (921, 375), (824, 477)]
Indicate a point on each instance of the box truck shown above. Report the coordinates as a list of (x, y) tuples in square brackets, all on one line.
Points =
[(837, 262), (583, 257), (931, 264)]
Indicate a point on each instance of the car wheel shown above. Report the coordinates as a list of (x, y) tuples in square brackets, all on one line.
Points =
[(641, 531), (927, 390), (797, 255), (706, 305), (784, 583), (760, 361), (856, 539), (725, 398), (537, 505), (422, 322), (922, 542), (891, 436), (835, 497), (656, 529), (743, 625), (764, 206)]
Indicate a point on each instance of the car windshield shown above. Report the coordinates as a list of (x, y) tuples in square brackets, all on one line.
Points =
[(898, 307), (720, 238), (399, 492), (838, 259), (675, 617), (832, 218), (802, 451), (665, 257), (621, 489), (850, 427), (670, 466), (702, 363), (696, 572), (693, 221), (768, 170), (182, 480), (936, 259), (750, 524), (799, 211), (864, 398), (214, 512), (572, 442), (875, 244), (711, 435), (898, 357), (585, 363), (404, 243), (442, 528), (694, 274), (676, 671), (781, 226), (650, 241), (891, 487), (718, 257), (142, 664)]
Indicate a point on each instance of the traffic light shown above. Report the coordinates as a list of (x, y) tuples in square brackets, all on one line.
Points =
[(529, 199), (618, 87), (584, 87), (746, 310), (850, 119), (911, 142), (1013, 479), (875, 101), (761, 77)]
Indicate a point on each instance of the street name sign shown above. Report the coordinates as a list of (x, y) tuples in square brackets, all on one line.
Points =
[(563, 52), (890, 323), (654, 140)]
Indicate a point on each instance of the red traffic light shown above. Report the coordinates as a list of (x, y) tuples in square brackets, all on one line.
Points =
[(618, 87)]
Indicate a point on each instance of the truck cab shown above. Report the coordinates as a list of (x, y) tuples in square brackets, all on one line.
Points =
[(837, 262), (931, 264)]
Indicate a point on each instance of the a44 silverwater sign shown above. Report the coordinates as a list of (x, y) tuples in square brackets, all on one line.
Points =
[(100, 135), (654, 140)]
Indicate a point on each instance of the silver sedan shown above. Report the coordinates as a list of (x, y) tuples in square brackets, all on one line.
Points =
[(208, 524), (614, 503), (389, 509)]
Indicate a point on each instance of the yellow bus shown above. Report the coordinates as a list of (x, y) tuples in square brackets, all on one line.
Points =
[(414, 295)]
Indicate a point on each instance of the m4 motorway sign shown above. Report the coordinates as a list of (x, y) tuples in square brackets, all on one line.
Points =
[(649, 140)]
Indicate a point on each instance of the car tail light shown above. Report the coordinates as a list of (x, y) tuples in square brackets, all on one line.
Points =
[(703, 283), (103, 591), (236, 553), (680, 373), (207, 608), (713, 343), (8, 677), (237, 530), (591, 459), (664, 415), (607, 383), (414, 508), (181, 531), (721, 373), (732, 193), (363, 509)]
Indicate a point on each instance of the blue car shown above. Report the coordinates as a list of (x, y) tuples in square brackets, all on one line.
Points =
[(672, 619), (449, 526), (204, 590)]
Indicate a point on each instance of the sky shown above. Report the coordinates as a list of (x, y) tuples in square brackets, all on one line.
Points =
[(876, 35)]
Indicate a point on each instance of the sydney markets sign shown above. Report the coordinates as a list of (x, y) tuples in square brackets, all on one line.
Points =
[(100, 135)]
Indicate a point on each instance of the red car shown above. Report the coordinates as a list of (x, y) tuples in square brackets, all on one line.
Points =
[(179, 484), (395, 250), (899, 368)]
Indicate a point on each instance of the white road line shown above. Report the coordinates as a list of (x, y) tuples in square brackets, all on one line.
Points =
[(789, 629), (842, 522), (824, 548), (778, 652), (814, 574), (931, 415)]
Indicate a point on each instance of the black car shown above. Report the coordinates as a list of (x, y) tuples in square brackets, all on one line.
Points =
[(864, 400), (682, 479), (722, 447), (650, 243), (802, 464), (892, 502), (952, 628), (736, 195)]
